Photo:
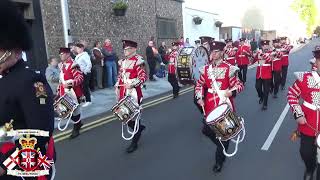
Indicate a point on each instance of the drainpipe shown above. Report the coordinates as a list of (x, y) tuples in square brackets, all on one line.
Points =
[(66, 22)]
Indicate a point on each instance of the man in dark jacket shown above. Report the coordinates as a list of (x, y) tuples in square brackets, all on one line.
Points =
[(152, 59)]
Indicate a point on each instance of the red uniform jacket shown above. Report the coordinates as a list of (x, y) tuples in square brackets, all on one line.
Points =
[(276, 61), (71, 71), (131, 72), (285, 58), (172, 62), (307, 88), (230, 55), (226, 78), (242, 55), (264, 68)]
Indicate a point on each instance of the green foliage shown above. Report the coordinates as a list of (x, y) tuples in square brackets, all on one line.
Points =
[(307, 11), (120, 5)]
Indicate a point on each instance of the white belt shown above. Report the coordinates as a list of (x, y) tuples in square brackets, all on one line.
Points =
[(230, 58), (242, 55), (311, 106), (286, 55), (276, 59), (264, 64)]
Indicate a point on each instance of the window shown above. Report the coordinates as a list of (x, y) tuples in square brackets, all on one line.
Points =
[(166, 28)]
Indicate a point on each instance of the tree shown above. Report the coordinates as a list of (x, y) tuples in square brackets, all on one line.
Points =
[(253, 19), (307, 12)]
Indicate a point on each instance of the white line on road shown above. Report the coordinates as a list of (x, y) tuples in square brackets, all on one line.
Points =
[(275, 129)]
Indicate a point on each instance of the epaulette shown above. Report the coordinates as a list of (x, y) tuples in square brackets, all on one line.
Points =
[(140, 60), (299, 75), (233, 70)]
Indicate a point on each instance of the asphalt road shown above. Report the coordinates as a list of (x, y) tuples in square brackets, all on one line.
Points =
[(173, 147)]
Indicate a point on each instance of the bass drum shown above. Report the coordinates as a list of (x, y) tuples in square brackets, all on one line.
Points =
[(189, 61)]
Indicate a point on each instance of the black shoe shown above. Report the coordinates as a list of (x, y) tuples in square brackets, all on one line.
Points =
[(308, 176), (264, 108), (271, 90), (282, 88), (217, 168), (76, 130), (275, 96), (175, 96), (133, 147), (260, 101)]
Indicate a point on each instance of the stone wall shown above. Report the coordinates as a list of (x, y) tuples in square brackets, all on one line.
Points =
[(93, 20)]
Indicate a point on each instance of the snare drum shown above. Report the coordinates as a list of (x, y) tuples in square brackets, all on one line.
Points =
[(225, 123), (126, 109), (65, 106)]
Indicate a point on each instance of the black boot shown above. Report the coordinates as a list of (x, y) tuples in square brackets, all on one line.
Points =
[(217, 168), (260, 100), (282, 87), (134, 143), (76, 130), (264, 108), (308, 176)]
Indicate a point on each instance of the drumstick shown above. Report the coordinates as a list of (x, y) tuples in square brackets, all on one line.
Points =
[(204, 113)]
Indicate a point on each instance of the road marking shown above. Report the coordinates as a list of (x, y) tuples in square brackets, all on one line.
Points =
[(64, 135), (275, 129)]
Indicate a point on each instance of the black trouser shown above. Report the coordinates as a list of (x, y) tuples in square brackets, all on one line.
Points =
[(174, 83), (284, 75), (137, 136), (86, 87), (308, 152), (263, 89), (243, 73), (276, 76), (220, 157), (152, 68)]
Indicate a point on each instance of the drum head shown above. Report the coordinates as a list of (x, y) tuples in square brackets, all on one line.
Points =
[(200, 58), (217, 113)]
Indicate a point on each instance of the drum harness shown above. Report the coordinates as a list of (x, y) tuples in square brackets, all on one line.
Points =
[(223, 99)]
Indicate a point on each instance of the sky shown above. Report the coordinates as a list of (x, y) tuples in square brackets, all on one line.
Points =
[(277, 13)]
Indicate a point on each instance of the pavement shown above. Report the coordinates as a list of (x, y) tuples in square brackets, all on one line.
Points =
[(173, 147)]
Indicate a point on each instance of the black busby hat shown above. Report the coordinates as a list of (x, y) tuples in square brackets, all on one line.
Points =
[(175, 44), (206, 39), (265, 42), (129, 43), (228, 40), (64, 50), (14, 31), (217, 45)]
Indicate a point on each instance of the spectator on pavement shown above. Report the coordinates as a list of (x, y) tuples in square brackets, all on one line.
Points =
[(152, 59), (83, 60), (73, 50), (52, 74), (98, 63), (162, 50), (187, 43), (111, 63)]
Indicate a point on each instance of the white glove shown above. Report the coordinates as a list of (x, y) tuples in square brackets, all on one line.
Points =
[(162, 64)]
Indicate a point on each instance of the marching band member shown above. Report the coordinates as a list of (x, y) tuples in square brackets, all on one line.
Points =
[(71, 81), (306, 87), (226, 77), (172, 78), (285, 48), (276, 67), (242, 59), (26, 97), (230, 52), (264, 73), (130, 79)]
